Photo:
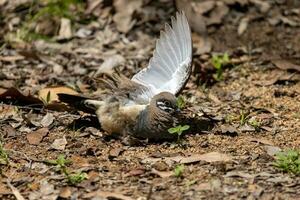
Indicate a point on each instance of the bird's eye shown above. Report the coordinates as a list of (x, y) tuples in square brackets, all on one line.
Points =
[(167, 103)]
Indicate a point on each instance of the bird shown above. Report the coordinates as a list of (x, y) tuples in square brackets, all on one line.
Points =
[(145, 106)]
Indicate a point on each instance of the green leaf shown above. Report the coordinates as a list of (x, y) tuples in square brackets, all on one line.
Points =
[(178, 170), (185, 127), (173, 130), (180, 102), (77, 178)]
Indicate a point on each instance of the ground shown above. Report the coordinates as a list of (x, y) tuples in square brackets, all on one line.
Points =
[(237, 122)]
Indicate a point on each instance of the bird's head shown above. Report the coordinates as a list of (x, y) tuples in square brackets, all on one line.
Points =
[(166, 102)]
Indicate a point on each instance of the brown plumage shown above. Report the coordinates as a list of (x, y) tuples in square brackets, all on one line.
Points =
[(145, 105), (118, 112)]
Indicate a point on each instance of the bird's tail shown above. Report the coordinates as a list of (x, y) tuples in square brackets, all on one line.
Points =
[(77, 102)]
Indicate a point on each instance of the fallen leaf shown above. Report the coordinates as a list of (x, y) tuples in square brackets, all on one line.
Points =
[(124, 11), (47, 120), (105, 195), (286, 65), (13, 95), (110, 63), (11, 58), (202, 43), (239, 174), (228, 129), (65, 30), (196, 20), (243, 25), (208, 157), (49, 95), (203, 7), (162, 174), (263, 6), (59, 144), (135, 172), (272, 150), (35, 137), (261, 140), (46, 191), (65, 192), (115, 152), (218, 14)]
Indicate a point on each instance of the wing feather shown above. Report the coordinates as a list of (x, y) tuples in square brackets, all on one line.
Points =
[(170, 66)]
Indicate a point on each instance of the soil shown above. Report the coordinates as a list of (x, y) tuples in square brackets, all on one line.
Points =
[(253, 86)]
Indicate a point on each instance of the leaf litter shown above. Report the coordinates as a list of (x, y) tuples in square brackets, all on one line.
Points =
[(121, 35)]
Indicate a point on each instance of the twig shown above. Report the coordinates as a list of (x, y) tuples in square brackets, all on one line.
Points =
[(15, 191)]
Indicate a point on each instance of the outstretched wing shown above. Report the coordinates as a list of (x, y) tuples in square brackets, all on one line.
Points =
[(170, 66)]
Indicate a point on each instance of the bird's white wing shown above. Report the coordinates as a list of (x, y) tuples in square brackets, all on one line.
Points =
[(170, 66)]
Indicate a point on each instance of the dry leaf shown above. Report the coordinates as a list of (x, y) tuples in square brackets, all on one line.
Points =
[(243, 25), (196, 20), (65, 193), (47, 120), (110, 63), (13, 94), (59, 144), (272, 150), (65, 31), (264, 6), (49, 94), (124, 11), (286, 65), (239, 174), (208, 157), (35, 137), (106, 195), (261, 140), (162, 174)]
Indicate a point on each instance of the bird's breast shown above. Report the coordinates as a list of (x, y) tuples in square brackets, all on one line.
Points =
[(116, 119)]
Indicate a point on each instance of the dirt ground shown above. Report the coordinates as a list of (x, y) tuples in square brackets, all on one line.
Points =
[(237, 123)]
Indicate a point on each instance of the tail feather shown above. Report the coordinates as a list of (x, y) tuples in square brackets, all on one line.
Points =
[(77, 102)]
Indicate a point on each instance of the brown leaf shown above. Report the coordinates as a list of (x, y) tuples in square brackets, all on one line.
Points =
[(261, 140), (49, 94), (217, 15), (13, 94), (35, 137), (285, 65), (135, 172), (162, 174), (65, 192), (115, 152), (110, 63), (196, 20), (11, 58), (124, 11), (208, 157), (106, 195), (202, 43), (239, 174)]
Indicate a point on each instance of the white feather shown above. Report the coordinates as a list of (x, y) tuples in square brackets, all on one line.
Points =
[(170, 66)]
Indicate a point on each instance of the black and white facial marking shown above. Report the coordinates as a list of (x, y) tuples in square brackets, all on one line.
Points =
[(166, 105)]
